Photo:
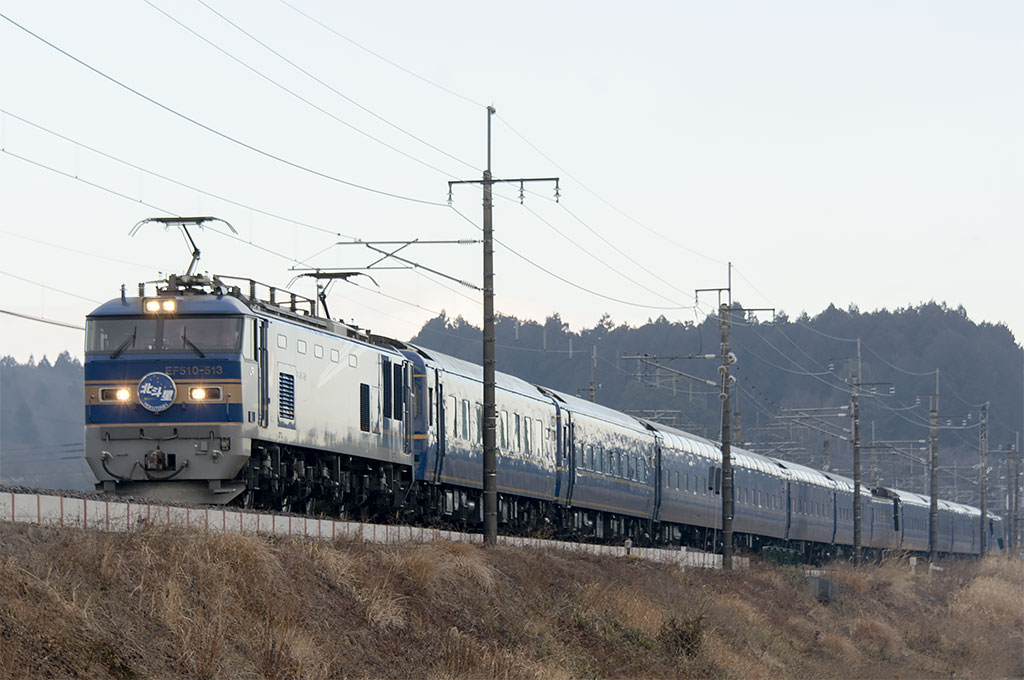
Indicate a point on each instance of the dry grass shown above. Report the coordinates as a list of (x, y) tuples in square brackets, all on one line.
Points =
[(166, 604)]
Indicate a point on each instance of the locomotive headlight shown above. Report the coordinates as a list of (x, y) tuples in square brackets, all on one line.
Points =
[(123, 394), (204, 393), (155, 305)]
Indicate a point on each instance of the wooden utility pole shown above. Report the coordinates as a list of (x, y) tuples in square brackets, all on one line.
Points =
[(983, 478), (490, 462), (855, 416), (727, 505), (725, 311), (933, 473)]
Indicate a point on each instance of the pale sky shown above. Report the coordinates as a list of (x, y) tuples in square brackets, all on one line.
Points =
[(858, 152)]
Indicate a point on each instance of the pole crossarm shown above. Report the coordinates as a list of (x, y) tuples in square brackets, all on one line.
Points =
[(646, 359)]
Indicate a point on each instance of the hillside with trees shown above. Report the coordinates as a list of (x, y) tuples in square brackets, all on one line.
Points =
[(42, 424)]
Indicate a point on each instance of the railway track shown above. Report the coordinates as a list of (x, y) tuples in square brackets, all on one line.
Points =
[(98, 512)]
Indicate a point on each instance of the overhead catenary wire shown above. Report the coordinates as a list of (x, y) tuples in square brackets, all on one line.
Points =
[(171, 180), (562, 278), (333, 89), (602, 199), (293, 93), (381, 57), (225, 234), (218, 133), (42, 319), (43, 285), (597, 259)]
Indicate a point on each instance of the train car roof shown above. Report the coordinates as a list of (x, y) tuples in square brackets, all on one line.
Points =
[(468, 369), (807, 475), (595, 410), (685, 441)]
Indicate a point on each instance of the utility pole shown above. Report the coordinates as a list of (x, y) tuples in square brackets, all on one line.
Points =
[(725, 310), (855, 415), (490, 463), (592, 390), (933, 473), (982, 481), (727, 505), (826, 445)]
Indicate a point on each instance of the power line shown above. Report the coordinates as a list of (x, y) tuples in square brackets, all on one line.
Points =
[(56, 290), (595, 257), (600, 198), (289, 91), (562, 278), (382, 58), (233, 237), (75, 250), (619, 251), (222, 135), (41, 319), (172, 180), (335, 91)]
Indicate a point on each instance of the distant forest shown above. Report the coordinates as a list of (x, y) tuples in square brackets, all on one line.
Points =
[(793, 363), (42, 424), (799, 363)]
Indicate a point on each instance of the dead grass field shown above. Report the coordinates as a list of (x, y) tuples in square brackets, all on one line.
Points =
[(169, 604)]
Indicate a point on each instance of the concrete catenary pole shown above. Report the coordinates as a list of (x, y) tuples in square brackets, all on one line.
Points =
[(983, 473), (724, 311), (855, 415), (933, 474)]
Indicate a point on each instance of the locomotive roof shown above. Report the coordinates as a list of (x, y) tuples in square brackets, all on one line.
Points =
[(189, 304)]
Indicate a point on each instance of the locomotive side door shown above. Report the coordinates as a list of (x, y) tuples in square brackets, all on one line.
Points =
[(442, 430), (264, 374)]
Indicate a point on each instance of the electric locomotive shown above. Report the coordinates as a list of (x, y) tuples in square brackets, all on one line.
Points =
[(211, 388)]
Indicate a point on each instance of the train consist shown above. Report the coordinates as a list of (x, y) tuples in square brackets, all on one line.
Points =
[(206, 391)]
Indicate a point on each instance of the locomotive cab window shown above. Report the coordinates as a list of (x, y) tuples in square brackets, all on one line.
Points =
[(127, 335)]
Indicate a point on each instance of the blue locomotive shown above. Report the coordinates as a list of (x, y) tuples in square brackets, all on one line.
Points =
[(218, 390)]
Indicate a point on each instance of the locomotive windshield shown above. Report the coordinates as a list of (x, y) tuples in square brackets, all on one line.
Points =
[(139, 335)]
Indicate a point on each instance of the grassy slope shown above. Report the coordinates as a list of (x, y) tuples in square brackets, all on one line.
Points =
[(171, 604)]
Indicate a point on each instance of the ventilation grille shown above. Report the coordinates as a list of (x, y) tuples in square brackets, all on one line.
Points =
[(399, 391), (286, 396), (364, 407)]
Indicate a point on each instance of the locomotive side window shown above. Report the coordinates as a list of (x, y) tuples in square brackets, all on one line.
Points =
[(452, 406), (249, 340), (353, 360), (282, 341), (479, 423), (300, 345), (318, 351), (335, 355)]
